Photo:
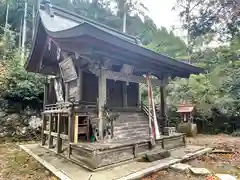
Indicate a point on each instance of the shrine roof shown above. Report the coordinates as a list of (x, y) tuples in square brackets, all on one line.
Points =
[(185, 109), (63, 26)]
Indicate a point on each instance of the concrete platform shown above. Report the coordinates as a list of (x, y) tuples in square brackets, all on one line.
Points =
[(66, 170)]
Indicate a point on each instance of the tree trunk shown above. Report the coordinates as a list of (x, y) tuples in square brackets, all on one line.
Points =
[(6, 21), (24, 32), (33, 21)]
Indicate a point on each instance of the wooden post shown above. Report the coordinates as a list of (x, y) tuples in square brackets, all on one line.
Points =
[(66, 92), (76, 129), (163, 106), (59, 140), (139, 96), (70, 125), (50, 137), (101, 100), (55, 123), (124, 92), (43, 136), (79, 85), (65, 125), (46, 91)]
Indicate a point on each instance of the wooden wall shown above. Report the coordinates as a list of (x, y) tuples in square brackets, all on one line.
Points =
[(114, 91)]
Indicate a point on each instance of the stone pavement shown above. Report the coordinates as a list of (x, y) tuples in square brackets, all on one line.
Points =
[(66, 170)]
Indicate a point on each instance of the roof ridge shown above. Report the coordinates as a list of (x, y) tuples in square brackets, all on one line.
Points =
[(88, 20)]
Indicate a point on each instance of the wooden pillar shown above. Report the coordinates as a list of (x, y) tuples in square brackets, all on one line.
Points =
[(70, 127), (65, 125), (102, 83), (163, 105), (139, 96), (79, 84), (46, 92), (55, 123), (76, 129), (59, 140), (66, 92), (124, 93), (43, 136), (50, 137)]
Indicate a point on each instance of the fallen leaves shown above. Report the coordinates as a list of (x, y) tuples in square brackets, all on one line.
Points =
[(212, 177), (155, 176)]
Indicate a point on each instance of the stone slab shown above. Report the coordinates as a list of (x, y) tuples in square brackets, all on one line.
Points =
[(66, 170), (157, 155), (225, 177), (200, 171), (180, 167)]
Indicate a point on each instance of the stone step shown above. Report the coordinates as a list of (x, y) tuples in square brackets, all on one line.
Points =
[(132, 136), (132, 139), (131, 130), (130, 123), (134, 126)]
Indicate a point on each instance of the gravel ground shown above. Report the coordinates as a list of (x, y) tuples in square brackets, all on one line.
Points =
[(18, 165), (225, 163)]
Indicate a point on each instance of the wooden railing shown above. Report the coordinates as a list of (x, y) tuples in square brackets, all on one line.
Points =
[(58, 108), (145, 109)]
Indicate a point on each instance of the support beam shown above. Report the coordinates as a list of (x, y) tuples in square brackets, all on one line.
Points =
[(43, 136), (76, 129), (118, 76), (59, 140), (50, 137), (102, 83)]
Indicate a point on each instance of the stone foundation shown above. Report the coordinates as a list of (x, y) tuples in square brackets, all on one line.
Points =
[(96, 156)]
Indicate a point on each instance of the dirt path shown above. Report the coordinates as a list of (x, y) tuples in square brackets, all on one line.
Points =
[(17, 165)]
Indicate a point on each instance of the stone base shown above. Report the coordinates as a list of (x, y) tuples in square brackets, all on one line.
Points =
[(97, 156), (169, 131)]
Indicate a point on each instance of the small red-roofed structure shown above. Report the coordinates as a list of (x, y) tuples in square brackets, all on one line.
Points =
[(186, 111)]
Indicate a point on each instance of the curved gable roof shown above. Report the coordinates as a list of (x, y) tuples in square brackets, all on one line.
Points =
[(67, 25)]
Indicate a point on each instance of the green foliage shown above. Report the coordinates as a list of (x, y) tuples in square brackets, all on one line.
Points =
[(23, 86), (17, 85), (215, 94)]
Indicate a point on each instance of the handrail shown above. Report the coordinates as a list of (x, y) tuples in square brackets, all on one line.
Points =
[(146, 111)]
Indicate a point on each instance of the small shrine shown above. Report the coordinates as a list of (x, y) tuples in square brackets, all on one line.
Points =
[(93, 114), (187, 124), (186, 111)]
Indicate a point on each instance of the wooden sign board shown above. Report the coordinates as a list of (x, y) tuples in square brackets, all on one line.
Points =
[(58, 90), (73, 89), (68, 70)]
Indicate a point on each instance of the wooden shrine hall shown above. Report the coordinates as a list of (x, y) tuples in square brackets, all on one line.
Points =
[(93, 113)]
